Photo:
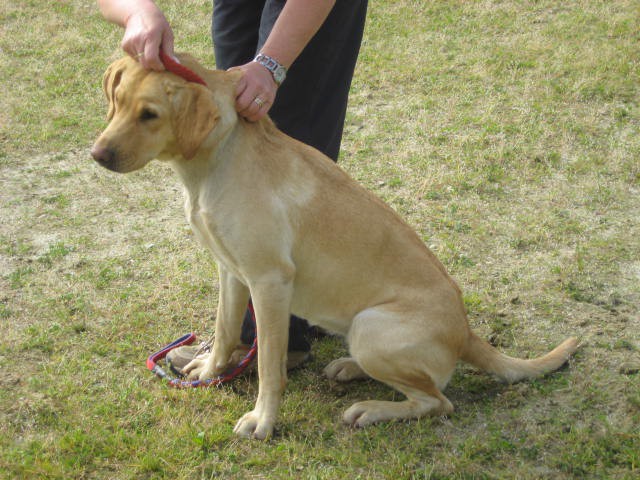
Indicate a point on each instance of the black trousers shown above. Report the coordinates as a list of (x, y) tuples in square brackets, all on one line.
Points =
[(311, 103)]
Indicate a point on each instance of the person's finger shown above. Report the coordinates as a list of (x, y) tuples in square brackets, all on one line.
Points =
[(243, 101), (151, 58), (145, 33), (256, 109), (133, 47), (167, 44), (249, 103), (241, 85), (243, 95), (262, 106)]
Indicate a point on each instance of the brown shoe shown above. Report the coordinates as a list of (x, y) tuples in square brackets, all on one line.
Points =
[(178, 358)]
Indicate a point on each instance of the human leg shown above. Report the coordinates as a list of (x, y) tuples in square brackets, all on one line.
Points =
[(234, 31), (311, 103)]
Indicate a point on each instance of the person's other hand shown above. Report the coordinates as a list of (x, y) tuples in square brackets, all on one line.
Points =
[(256, 91), (146, 32)]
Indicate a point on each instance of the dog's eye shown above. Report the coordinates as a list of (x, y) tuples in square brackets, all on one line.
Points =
[(147, 114)]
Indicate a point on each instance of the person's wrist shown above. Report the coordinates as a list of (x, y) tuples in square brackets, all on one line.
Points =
[(142, 9), (274, 67)]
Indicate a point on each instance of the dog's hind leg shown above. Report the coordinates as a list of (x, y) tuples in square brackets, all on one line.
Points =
[(427, 400), (344, 369), (405, 354)]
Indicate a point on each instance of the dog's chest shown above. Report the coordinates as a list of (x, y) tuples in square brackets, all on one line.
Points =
[(206, 231)]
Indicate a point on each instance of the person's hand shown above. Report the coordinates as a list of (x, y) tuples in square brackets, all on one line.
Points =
[(146, 32), (256, 91)]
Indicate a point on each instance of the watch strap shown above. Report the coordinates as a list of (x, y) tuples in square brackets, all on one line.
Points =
[(277, 70)]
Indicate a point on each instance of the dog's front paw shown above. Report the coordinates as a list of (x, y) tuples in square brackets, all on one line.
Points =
[(343, 370), (200, 369), (254, 425)]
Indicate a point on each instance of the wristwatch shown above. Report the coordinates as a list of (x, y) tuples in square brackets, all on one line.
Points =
[(278, 71)]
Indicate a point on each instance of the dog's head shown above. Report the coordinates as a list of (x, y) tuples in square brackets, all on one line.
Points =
[(159, 115)]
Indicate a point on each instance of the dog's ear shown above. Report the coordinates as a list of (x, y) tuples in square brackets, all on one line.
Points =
[(110, 82), (194, 114)]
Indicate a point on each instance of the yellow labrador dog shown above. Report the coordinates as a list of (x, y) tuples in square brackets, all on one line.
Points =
[(293, 232)]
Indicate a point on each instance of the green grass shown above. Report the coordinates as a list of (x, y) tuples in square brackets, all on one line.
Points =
[(505, 132)]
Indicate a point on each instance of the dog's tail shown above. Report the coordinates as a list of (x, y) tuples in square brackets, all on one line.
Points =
[(481, 354)]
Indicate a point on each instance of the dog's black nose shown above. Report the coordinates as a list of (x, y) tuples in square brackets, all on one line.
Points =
[(105, 156)]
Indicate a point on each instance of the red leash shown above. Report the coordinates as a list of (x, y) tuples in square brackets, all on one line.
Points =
[(177, 68), (188, 339)]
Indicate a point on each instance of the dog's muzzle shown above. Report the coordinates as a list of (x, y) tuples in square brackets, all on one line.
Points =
[(105, 156)]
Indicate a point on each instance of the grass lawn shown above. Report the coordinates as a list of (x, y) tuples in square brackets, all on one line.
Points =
[(505, 132)]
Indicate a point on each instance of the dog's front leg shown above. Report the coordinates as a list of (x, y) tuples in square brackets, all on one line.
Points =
[(232, 305), (271, 299)]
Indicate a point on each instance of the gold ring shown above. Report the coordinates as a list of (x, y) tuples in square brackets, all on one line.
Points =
[(139, 55), (258, 101)]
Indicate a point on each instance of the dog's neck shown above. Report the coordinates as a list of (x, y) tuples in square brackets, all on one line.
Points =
[(223, 149), (202, 167)]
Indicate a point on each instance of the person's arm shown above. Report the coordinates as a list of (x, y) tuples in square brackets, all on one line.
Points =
[(146, 29), (297, 24), (295, 27)]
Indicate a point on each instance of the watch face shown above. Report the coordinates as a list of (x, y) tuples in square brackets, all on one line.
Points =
[(279, 74)]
